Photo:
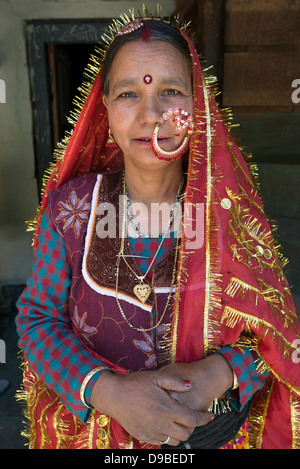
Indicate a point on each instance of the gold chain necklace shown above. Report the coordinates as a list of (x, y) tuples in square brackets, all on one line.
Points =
[(172, 217), (142, 278), (141, 329), (144, 290)]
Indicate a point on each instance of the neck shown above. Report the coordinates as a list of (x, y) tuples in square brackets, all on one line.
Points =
[(156, 186)]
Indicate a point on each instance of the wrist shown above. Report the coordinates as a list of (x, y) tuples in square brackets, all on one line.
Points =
[(226, 372), (88, 384), (218, 373), (102, 391)]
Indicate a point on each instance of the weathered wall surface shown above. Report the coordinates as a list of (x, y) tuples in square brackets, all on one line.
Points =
[(18, 184)]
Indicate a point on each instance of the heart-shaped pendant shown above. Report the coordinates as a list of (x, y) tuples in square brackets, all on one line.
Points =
[(142, 292)]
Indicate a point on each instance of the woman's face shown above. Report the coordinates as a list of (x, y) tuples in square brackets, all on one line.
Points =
[(135, 107)]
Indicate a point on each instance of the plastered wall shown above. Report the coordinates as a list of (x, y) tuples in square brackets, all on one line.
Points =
[(18, 185)]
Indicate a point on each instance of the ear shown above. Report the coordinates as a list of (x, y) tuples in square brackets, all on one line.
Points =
[(104, 100)]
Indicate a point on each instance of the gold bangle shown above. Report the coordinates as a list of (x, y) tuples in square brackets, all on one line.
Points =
[(86, 380), (235, 381)]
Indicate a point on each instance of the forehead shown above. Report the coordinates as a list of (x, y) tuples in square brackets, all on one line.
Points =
[(153, 57)]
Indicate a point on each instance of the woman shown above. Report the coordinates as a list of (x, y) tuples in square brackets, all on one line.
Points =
[(142, 330)]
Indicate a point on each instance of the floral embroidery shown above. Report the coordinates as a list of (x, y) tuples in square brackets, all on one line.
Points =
[(83, 329), (74, 213), (146, 346)]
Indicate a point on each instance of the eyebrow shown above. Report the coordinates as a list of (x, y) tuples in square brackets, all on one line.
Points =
[(173, 81), (124, 84), (170, 81)]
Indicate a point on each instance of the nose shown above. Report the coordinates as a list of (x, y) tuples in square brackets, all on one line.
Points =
[(150, 111)]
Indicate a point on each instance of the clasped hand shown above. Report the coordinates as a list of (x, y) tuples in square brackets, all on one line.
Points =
[(154, 405)]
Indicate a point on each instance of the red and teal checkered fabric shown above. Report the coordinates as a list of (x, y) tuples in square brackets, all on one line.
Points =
[(46, 334)]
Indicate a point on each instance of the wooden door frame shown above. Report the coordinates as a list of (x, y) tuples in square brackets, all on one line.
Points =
[(38, 35)]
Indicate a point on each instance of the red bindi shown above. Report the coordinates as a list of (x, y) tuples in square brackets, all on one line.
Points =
[(148, 79)]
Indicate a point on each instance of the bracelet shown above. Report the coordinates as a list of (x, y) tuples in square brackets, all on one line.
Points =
[(235, 382), (86, 380)]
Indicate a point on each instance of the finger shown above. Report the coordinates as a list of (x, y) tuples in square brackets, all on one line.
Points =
[(171, 382), (177, 396), (169, 441), (203, 417), (180, 433), (165, 440), (191, 418), (177, 434)]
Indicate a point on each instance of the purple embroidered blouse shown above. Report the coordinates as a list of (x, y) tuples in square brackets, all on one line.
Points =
[(71, 293)]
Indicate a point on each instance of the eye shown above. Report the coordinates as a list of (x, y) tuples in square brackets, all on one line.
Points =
[(171, 92), (127, 94)]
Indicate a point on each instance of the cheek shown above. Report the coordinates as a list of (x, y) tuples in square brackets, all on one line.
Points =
[(116, 120), (191, 106), (119, 117), (120, 125)]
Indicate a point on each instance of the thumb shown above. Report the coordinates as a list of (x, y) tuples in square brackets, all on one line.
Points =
[(172, 382)]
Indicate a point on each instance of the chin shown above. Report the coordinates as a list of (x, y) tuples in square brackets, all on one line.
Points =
[(152, 160), (147, 159)]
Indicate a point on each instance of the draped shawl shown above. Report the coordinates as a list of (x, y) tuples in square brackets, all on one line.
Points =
[(231, 287)]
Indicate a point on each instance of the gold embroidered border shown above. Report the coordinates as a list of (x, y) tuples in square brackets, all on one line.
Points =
[(251, 226), (250, 201), (250, 223), (207, 224), (84, 438), (232, 316), (295, 418), (127, 442), (62, 429), (237, 286), (192, 176), (239, 166), (28, 394), (46, 439), (271, 295), (258, 414), (103, 432), (213, 290)]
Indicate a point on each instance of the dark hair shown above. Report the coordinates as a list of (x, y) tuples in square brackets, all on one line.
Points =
[(154, 30)]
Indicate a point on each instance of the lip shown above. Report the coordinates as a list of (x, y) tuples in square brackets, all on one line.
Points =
[(146, 140)]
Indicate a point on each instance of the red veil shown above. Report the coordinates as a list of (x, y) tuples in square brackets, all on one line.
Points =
[(231, 289)]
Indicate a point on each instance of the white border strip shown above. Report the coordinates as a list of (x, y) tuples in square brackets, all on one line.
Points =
[(92, 284)]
